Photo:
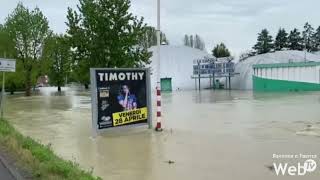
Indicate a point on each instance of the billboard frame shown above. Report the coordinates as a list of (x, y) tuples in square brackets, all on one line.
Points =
[(11, 69), (94, 100)]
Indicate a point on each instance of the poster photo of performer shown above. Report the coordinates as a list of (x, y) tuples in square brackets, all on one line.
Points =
[(127, 100)]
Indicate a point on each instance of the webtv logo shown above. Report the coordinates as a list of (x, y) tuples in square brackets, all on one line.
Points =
[(299, 170)]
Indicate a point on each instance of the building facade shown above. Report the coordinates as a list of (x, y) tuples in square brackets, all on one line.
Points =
[(295, 76)]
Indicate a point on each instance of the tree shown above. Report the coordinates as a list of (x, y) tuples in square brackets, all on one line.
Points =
[(150, 37), (58, 53), (186, 40), (281, 40), (28, 30), (316, 38), (6, 44), (191, 41), (194, 42), (308, 37), (14, 80), (264, 44), (104, 34), (220, 50), (295, 40), (198, 43)]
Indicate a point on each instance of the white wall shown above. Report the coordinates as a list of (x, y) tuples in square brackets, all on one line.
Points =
[(244, 79), (177, 63), (299, 74)]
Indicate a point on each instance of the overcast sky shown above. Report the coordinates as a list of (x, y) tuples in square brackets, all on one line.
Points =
[(234, 22)]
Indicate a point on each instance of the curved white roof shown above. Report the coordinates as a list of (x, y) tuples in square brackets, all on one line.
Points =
[(244, 80), (177, 63)]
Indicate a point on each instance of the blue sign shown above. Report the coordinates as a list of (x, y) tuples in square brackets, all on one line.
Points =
[(218, 68)]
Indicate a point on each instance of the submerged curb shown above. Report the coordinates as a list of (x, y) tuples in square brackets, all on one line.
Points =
[(13, 171)]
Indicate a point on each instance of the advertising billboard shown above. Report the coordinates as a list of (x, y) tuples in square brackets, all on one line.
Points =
[(7, 65), (120, 97), (219, 68)]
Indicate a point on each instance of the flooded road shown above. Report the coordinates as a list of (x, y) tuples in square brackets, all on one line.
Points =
[(208, 135)]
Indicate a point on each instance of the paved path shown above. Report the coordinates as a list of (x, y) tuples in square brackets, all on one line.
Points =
[(4, 173)]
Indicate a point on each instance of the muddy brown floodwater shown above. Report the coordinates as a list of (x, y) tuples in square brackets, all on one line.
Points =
[(208, 135)]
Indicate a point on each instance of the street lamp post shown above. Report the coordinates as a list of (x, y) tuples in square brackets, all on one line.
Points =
[(158, 126), (305, 49)]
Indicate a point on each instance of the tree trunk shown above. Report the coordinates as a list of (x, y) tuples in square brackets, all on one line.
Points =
[(86, 86), (28, 83), (59, 88)]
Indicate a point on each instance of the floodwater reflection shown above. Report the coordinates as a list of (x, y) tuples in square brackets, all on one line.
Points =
[(208, 134)]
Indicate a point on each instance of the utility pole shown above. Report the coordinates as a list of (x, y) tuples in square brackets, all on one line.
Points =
[(2, 94), (199, 75), (3, 90), (213, 75), (305, 49)]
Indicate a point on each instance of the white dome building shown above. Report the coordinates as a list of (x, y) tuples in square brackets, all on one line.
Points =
[(245, 68), (177, 64)]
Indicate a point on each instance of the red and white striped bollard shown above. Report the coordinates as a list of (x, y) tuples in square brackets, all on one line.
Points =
[(158, 126)]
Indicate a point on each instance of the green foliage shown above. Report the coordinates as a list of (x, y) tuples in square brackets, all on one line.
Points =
[(38, 158), (14, 81), (199, 43), (316, 37), (28, 30), (307, 35), (221, 50), (281, 40), (80, 72), (186, 40), (57, 55), (264, 42), (6, 44), (191, 41), (295, 40), (150, 37), (309, 40), (104, 34), (194, 42)]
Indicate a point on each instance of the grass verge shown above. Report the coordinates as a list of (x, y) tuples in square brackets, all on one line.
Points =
[(37, 158)]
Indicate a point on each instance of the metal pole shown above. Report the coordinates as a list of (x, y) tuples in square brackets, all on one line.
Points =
[(2, 94), (229, 81), (94, 104), (149, 99), (199, 76), (305, 55), (158, 127), (305, 49), (226, 83), (213, 75), (195, 82), (3, 90)]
